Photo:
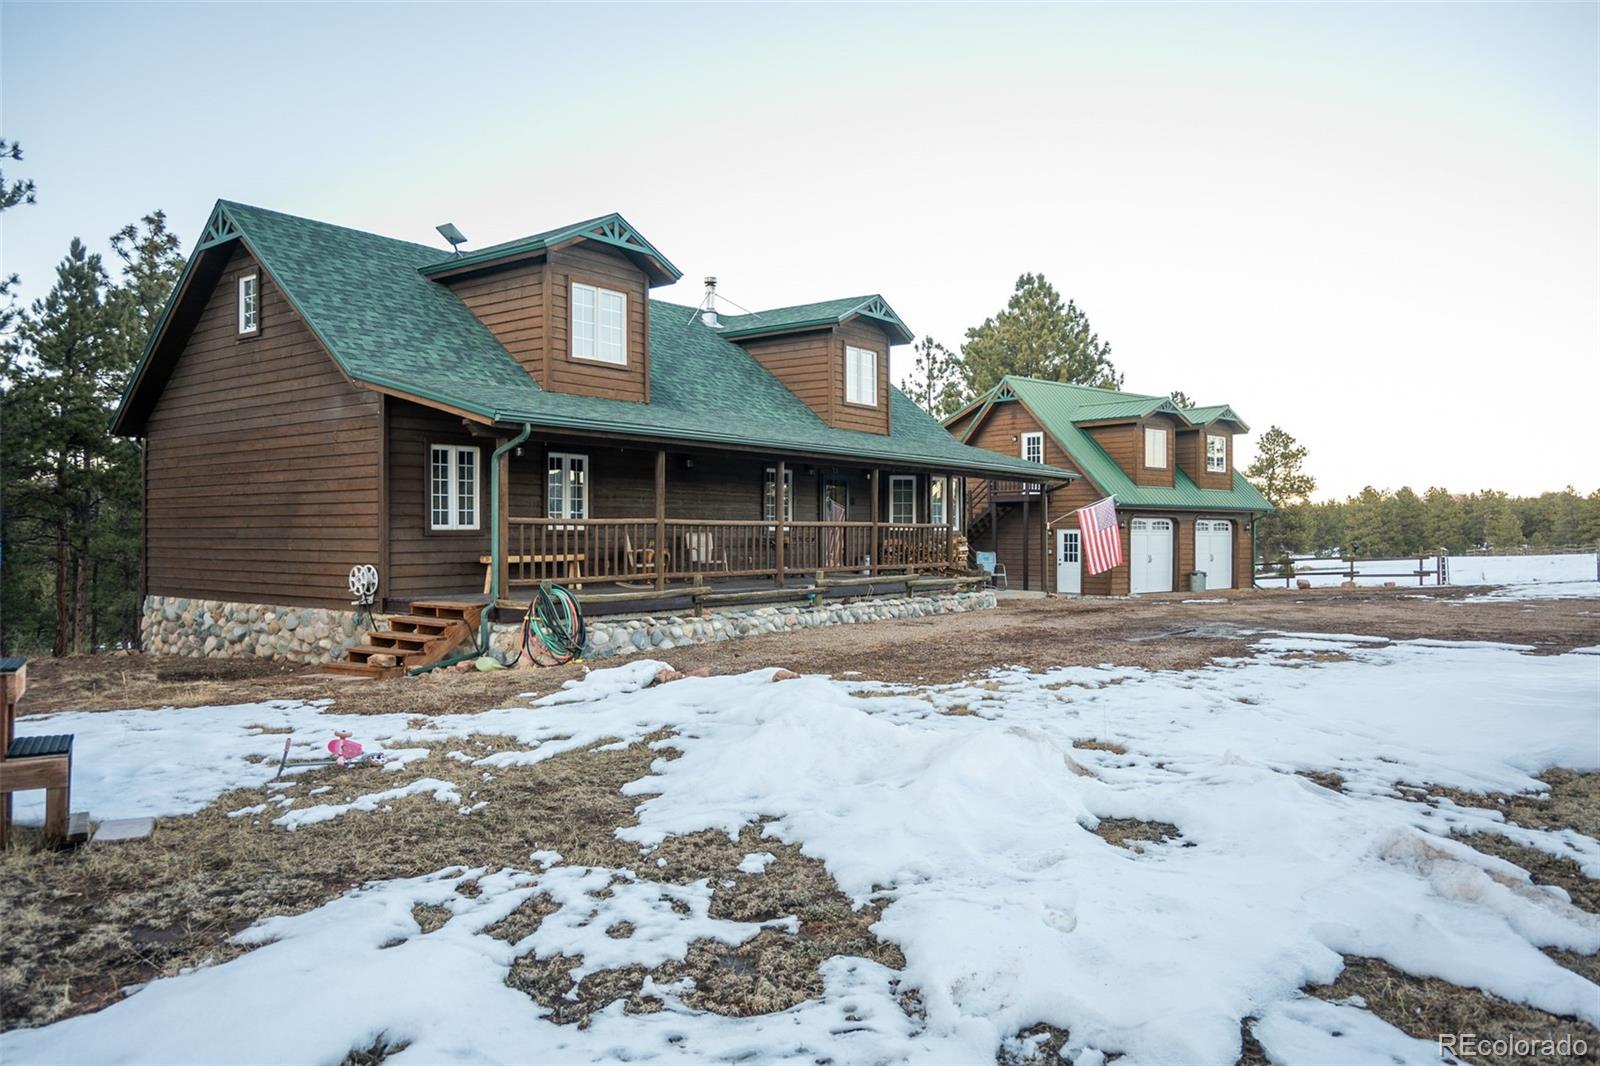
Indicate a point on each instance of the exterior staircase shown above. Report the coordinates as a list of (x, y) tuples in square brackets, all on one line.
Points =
[(431, 630)]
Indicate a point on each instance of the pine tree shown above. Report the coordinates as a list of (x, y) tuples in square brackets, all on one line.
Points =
[(1409, 522), (1180, 399), (935, 379), (1035, 336), (12, 193), (1277, 473)]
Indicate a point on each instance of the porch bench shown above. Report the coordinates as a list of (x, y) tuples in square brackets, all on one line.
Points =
[(27, 763), (572, 562)]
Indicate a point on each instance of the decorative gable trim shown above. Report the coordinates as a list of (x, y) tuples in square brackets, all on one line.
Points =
[(219, 230)]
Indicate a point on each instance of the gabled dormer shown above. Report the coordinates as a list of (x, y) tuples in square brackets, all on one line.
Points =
[(1140, 433), (571, 304), (833, 355), (1205, 445)]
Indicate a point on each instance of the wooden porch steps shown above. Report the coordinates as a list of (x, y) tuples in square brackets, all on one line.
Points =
[(429, 632)]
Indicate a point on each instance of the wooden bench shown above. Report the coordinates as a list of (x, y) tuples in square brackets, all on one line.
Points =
[(31, 762), (572, 562)]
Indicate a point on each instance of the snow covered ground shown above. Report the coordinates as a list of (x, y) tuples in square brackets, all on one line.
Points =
[(972, 829), (1522, 576)]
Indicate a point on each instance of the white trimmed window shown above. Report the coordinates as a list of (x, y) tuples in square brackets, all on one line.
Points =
[(769, 495), (860, 376), (938, 500), (599, 324), (1155, 448), (1033, 447), (1216, 454), (249, 304), (567, 486), (902, 499), (452, 486)]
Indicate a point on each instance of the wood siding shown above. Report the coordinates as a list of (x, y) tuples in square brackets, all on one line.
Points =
[(511, 302), (802, 362), (262, 461), (812, 366), (1192, 457), (590, 266), (873, 419)]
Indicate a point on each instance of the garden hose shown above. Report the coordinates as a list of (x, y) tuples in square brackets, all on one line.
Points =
[(555, 621)]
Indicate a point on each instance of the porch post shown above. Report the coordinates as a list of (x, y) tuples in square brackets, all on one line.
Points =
[(661, 519), (780, 496), (1024, 536), (994, 522), (1047, 547), (875, 530), (502, 558)]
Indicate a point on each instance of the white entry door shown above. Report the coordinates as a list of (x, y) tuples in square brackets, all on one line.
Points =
[(1213, 552), (1150, 555), (1069, 563)]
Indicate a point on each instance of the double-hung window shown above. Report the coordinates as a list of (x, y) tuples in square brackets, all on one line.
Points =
[(567, 486), (902, 499), (1033, 447), (599, 324), (1216, 454), (860, 376), (249, 304), (452, 486), (1155, 448), (769, 495), (938, 500)]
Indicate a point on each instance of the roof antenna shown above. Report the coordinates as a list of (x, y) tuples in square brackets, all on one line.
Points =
[(456, 238), (708, 304)]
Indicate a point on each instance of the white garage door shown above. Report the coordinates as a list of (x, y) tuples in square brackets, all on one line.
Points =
[(1150, 555), (1213, 552)]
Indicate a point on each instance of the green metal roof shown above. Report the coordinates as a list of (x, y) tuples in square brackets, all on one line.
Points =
[(610, 229), (816, 316), (385, 323), (1060, 407)]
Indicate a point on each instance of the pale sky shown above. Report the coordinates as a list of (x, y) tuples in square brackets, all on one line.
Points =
[(1374, 225)]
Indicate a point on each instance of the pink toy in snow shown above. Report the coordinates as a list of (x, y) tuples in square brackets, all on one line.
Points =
[(343, 747)]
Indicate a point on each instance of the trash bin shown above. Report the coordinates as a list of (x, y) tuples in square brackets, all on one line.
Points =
[(1197, 581)]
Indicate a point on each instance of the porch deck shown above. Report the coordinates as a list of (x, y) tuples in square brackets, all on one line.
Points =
[(653, 553)]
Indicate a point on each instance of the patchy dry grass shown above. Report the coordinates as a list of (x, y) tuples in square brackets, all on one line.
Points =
[(1091, 744), (1133, 834), (1425, 1007), (1546, 869)]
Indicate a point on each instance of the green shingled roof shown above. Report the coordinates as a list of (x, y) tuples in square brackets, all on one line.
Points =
[(384, 322), (817, 315), (610, 229), (1059, 408)]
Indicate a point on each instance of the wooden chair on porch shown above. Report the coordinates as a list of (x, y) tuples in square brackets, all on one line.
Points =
[(704, 553), (638, 564), (27, 763)]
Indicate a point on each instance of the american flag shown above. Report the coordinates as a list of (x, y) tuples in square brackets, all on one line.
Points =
[(1102, 543)]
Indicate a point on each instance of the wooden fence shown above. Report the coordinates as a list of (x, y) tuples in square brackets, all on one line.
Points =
[(1434, 566)]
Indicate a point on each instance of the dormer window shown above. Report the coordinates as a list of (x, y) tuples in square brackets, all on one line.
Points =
[(599, 324), (1216, 454), (860, 376), (249, 304), (1155, 448)]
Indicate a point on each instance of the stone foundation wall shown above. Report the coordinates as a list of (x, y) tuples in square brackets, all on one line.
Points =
[(215, 629), (613, 636)]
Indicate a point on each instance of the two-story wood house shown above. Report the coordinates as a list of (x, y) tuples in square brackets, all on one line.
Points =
[(1182, 506), (315, 397)]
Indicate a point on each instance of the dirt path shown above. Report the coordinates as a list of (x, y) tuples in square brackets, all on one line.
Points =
[(1166, 632)]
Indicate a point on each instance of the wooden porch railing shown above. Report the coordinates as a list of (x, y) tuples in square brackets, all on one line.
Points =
[(596, 550)]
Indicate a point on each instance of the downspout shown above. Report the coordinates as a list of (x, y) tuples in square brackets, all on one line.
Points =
[(497, 550)]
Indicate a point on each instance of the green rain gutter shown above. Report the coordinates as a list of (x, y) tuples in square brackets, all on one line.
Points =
[(496, 549)]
